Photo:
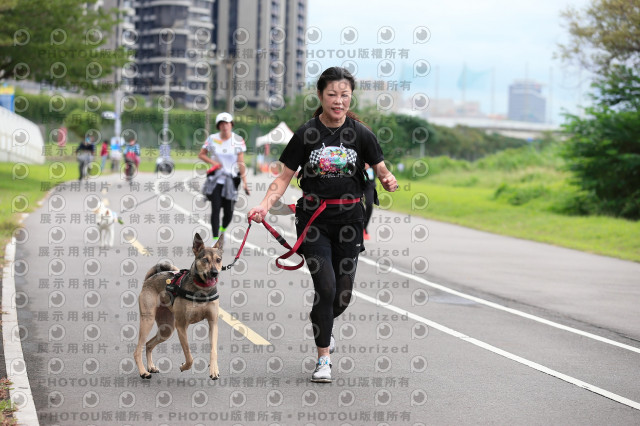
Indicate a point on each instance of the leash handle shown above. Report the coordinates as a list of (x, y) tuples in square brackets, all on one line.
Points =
[(283, 242), (294, 249), (299, 241), (280, 240)]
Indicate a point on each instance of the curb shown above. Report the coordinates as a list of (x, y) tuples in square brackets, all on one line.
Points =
[(16, 366)]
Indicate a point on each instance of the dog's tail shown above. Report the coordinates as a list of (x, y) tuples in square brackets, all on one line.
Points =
[(163, 266)]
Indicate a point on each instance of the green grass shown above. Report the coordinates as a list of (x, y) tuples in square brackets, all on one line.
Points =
[(521, 193), (7, 408), (529, 203), (23, 186), (22, 195)]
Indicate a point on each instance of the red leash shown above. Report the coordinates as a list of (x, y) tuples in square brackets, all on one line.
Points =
[(283, 242)]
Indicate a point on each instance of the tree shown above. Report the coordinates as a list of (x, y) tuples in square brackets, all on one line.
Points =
[(7, 4), (81, 122), (605, 34), (58, 42), (603, 149)]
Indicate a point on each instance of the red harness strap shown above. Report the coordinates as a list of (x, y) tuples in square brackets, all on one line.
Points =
[(296, 246)]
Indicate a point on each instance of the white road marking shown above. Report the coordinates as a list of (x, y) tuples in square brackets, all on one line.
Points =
[(484, 302), (506, 309), (509, 355), (539, 367)]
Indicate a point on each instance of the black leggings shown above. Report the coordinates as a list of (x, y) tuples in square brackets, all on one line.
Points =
[(331, 252), (217, 203)]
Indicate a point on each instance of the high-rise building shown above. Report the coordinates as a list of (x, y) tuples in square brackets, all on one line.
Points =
[(261, 51), (256, 49), (526, 102), (124, 31), (174, 50), (124, 35)]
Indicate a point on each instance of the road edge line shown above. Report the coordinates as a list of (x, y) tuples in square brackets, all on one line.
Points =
[(511, 356), (503, 308), (12, 348)]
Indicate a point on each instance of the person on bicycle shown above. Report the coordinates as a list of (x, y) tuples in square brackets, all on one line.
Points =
[(132, 152), (84, 153)]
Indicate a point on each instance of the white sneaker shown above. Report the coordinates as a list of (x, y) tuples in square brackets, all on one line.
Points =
[(322, 373), (332, 344)]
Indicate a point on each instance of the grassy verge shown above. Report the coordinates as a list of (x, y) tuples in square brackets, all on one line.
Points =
[(521, 204), (6, 406), (21, 187), (524, 197)]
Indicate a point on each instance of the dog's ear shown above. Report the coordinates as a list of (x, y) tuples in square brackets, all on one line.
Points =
[(198, 244), (218, 245)]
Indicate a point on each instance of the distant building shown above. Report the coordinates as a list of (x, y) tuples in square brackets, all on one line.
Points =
[(526, 102), (124, 31), (264, 43), (449, 108), (124, 35), (369, 92), (174, 49), (241, 50)]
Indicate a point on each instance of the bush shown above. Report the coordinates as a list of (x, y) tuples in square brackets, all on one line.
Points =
[(513, 159), (517, 195), (603, 149), (82, 122)]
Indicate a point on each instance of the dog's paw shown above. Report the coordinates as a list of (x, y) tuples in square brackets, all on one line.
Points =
[(154, 370), (145, 376), (214, 376), (185, 366)]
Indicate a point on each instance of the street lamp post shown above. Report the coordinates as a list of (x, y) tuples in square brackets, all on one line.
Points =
[(117, 94), (210, 93), (229, 65), (167, 89)]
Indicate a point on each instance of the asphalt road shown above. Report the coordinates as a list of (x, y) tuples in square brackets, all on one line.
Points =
[(448, 326)]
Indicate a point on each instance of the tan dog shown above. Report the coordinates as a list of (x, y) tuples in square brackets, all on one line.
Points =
[(171, 312)]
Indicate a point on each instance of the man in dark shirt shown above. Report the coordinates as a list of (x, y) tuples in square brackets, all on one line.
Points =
[(84, 154)]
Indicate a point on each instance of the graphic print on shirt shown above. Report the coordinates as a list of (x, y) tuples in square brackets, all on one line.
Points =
[(233, 145), (333, 161)]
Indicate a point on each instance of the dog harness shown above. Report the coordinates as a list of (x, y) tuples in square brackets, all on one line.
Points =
[(323, 205), (174, 288)]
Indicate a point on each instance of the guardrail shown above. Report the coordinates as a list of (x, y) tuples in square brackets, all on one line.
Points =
[(20, 139)]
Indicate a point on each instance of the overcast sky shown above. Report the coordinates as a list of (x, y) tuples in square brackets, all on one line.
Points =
[(514, 38)]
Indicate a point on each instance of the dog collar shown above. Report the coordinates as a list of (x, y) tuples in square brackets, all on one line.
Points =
[(199, 283), (174, 288)]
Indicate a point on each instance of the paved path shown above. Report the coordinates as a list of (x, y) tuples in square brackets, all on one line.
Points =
[(449, 325)]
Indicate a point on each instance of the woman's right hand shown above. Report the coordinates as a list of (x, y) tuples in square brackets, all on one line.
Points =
[(257, 214)]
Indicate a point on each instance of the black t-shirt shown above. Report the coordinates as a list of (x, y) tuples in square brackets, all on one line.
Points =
[(332, 166), (87, 147)]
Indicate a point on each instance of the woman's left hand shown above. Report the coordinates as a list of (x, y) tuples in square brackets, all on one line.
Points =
[(389, 183), (257, 214)]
